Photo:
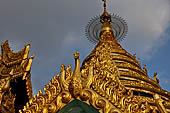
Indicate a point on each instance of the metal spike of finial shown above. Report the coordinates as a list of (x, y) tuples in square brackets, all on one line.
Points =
[(104, 4)]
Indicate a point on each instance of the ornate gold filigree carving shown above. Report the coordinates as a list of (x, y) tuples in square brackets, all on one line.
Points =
[(13, 66), (7, 102), (97, 83)]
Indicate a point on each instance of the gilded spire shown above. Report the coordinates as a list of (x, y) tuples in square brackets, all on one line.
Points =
[(104, 4), (106, 23), (105, 11), (105, 19)]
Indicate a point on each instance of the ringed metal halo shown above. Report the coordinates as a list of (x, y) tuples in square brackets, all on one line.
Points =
[(119, 27)]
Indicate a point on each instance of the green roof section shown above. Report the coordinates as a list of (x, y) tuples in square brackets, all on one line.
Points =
[(77, 106)]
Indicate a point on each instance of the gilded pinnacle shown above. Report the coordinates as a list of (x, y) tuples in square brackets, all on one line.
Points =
[(104, 4), (105, 16), (105, 19)]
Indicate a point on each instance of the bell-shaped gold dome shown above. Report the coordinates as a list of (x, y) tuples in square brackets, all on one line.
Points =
[(131, 75)]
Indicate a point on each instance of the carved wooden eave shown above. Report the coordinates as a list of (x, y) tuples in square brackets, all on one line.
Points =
[(12, 66)]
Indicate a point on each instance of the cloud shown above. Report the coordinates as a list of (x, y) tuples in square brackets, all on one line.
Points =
[(147, 24), (56, 29)]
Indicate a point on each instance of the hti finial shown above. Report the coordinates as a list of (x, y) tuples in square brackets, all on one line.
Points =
[(104, 4), (105, 19), (106, 22), (105, 16)]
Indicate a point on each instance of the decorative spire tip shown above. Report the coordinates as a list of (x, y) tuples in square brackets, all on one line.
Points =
[(104, 4)]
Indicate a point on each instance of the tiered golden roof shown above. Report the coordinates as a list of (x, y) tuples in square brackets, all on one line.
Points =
[(12, 67), (131, 76)]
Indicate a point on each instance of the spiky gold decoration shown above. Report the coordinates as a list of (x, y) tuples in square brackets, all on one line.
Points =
[(12, 66)]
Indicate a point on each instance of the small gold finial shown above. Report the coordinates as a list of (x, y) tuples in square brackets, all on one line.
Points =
[(76, 55), (138, 61), (144, 69), (77, 63), (32, 57), (155, 77), (29, 43), (134, 56)]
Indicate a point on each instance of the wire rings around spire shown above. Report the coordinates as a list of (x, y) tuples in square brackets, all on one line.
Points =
[(119, 27)]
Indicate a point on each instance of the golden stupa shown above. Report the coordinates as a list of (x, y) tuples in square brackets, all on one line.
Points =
[(110, 80)]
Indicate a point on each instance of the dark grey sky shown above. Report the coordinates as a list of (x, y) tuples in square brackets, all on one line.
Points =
[(56, 28)]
